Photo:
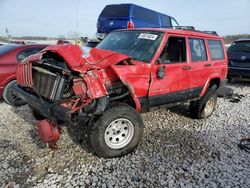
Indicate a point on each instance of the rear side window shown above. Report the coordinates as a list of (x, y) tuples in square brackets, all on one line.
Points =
[(115, 11), (197, 49), (7, 48), (165, 21), (242, 46), (27, 52), (145, 14), (216, 49)]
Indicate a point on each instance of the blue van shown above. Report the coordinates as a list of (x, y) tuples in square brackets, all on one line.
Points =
[(123, 16)]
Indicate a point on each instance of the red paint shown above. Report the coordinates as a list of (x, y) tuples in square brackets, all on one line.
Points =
[(25, 76), (130, 25), (100, 68), (9, 63), (48, 131)]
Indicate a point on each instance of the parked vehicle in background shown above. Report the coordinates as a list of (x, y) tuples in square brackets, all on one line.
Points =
[(17, 42), (61, 42), (10, 56), (239, 59), (123, 16), (130, 71), (92, 43)]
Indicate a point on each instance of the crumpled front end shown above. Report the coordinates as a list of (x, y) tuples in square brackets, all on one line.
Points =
[(65, 88), (51, 85)]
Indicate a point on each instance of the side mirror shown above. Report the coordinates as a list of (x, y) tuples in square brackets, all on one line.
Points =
[(161, 72)]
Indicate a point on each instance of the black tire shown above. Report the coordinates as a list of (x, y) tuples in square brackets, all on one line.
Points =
[(229, 79), (100, 125), (10, 97), (197, 108)]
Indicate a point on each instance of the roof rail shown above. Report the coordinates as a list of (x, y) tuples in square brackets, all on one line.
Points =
[(184, 27), (210, 32), (192, 28)]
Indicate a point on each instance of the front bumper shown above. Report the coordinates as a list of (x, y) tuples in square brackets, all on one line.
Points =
[(238, 72), (47, 109)]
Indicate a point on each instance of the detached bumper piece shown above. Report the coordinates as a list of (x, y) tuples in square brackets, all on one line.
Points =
[(49, 133), (47, 109)]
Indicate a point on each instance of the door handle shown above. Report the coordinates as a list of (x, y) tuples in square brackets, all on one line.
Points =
[(186, 68), (207, 65)]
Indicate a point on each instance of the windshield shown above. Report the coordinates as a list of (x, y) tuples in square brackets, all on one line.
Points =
[(139, 45), (243, 46), (7, 48)]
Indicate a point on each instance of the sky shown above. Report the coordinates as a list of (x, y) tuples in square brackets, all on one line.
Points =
[(60, 17)]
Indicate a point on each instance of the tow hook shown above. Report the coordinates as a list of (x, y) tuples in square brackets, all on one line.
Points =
[(49, 133)]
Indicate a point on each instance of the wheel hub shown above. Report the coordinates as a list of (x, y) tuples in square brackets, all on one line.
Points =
[(119, 133), (209, 107)]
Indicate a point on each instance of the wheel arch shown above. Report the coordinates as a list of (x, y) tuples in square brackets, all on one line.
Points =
[(213, 81)]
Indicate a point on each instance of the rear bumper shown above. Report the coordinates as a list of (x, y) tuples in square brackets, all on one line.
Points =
[(47, 109), (234, 72)]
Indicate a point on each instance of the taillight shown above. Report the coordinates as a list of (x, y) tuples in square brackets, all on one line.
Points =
[(130, 25)]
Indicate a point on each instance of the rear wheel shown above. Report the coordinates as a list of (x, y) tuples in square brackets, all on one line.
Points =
[(116, 132), (10, 97), (204, 107)]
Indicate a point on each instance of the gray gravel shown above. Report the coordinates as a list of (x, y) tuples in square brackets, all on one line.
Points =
[(176, 151)]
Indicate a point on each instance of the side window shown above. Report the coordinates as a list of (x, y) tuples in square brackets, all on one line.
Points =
[(216, 49), (174, 22), (197, 49), (175, 50), (165, 21), (27, 52), (146, 15)]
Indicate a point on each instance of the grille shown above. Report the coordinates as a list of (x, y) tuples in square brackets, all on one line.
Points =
[(47, 84), (24, 75)]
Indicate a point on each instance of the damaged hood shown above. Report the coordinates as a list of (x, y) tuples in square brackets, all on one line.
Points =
[(80, 61)]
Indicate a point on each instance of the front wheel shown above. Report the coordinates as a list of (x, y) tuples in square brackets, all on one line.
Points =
[(116, 132)]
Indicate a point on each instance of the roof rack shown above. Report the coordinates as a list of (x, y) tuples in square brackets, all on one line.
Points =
[(184, 27), (192, 28)]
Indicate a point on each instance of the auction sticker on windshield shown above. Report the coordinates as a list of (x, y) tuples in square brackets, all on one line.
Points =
[(147, 36)]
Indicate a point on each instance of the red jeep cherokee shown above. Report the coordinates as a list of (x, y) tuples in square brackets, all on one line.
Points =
[(129, 72)]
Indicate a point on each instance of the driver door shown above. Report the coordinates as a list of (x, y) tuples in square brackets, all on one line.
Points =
[(173, 82)]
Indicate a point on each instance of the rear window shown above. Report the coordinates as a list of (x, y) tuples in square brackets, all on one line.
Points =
[(216, 49), (7, 48), (243, 46), (115, 11), (145, 14), (27, 52)]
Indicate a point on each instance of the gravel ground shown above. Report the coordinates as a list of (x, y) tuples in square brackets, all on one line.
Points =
[(176, 151)]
